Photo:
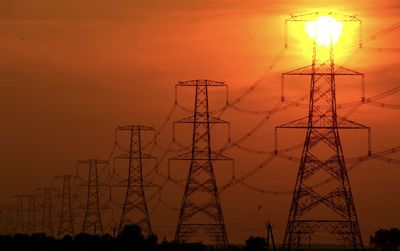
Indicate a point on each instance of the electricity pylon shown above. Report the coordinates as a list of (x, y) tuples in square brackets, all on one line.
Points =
[(10, 221), (329, 206), (92, 222), (201, 211), (135, 209), (66, 223), (20, 219), (31, 214), (46, 224), (3, 220)]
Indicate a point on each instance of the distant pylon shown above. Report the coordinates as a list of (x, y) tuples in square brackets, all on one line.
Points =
[(92, 222), (31, 214), (329, 206), (66, 223), (46, 223), (20, 219), (201, 211), (3, 220), (10, 221), (135, 209)]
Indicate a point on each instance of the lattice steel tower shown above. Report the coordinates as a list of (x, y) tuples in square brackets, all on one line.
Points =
[(11, 220), (92, 222), (329, 206), (201, 211), (66, 223), (31, 211), (46, 223), (20, 213), (3, 220), (135, 209)]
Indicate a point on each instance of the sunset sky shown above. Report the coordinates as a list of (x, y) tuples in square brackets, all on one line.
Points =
[(72, 71)]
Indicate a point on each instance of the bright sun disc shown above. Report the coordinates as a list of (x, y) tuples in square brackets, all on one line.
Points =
[(325, 30)]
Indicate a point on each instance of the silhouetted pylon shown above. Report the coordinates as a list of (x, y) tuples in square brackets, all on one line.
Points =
[(3, 220), (135, 209), (92, 222), (328, 205), (201, 212), (66, 223), (20, 216), (31, 214), (11, 220), (46, 223)]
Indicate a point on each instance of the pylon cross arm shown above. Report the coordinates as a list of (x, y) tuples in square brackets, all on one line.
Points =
[(135, 156), (201, 82), (201, 155), (303, 123), (202, 120), (135, 127)]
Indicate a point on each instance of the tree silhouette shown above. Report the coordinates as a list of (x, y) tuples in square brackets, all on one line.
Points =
[(131, 233), (255, 244), (386, 239)]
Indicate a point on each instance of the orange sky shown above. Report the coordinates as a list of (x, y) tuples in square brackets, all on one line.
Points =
[(71, 71)]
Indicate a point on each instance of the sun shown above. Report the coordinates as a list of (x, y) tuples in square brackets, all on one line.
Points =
[(324, 30)]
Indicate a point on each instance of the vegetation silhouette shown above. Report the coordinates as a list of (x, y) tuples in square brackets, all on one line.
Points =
[(131, 238), (386, 240), (255, 244)]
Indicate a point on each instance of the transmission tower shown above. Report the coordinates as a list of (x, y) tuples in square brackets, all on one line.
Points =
[(3, 220), (20, 219), (46, 224), (31, 214), (134, 209), (330, 206), (66, 223), (10, 221), (92, 222), (201, 211)]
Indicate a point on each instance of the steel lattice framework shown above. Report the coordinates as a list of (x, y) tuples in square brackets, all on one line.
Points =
[(322, 125), (31, 211), (3, 220), (20, 210), (135, 209), (201, 210), (66, 223), (11, 220), (92, 222), (46, 224)]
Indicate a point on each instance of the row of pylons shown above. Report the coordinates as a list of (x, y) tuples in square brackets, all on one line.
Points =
[(200, 212), (200, 197)]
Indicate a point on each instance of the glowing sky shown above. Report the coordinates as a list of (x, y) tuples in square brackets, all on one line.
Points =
[(72, 71)]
